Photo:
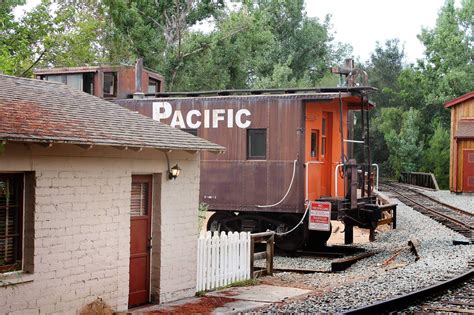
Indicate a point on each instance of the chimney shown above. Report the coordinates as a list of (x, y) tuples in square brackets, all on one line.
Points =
[(138, 79), (349, 63)]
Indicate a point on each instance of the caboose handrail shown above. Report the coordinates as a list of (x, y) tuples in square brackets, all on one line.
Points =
[(335, 178), (287, 192), (377, 174), (354, 141), (307, 176)]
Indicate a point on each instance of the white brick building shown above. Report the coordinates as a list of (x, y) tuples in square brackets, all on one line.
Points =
[(77, 175)]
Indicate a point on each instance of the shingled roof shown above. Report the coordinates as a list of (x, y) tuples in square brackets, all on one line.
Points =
[(43, 111)]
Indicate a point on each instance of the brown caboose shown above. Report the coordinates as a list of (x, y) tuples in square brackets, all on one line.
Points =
[(285, 149)]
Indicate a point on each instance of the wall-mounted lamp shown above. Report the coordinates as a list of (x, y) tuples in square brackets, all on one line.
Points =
[(174, 172)]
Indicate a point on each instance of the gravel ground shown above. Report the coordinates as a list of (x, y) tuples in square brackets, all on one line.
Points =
[(370, 280), (322, 264), (464, 201)]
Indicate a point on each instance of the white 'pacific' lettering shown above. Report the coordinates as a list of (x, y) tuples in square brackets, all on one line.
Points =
[(195, 118)]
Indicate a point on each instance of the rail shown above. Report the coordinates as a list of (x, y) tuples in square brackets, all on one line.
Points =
[(427, 180), (404, 300), (454, 218)]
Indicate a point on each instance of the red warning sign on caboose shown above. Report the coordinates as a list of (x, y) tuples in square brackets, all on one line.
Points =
[(319, 216)]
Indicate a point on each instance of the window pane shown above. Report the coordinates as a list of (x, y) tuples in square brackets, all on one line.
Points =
[(314, 143), (75, 81), (323, 127), (110, 82), (139, 200), (323, 146), (11, 192), (153, 86), (257, 143), (56, 78)]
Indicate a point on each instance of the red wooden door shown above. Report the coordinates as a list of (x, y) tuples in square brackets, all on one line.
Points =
[(468, 171), (140, 232)]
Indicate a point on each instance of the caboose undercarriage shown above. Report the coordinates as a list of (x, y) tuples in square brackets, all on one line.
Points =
[(292, 228)]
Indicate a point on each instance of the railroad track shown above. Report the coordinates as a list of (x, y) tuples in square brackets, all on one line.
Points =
[(454, 295), (456, 219)]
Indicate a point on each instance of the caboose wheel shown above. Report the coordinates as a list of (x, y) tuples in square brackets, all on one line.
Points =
[(219, 221), (292, 241), (318, 239)]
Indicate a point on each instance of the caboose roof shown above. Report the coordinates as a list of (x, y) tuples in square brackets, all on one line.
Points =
[(350, 95), (242, 92)]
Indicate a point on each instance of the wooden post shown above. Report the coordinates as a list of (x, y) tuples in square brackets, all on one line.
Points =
[(372, 235), (394, 217), (252, 259), (270, 248), (258, 238), (353, 191), (348, 234)]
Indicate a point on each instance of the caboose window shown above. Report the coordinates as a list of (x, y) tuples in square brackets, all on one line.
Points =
[(323, 137), (314, 143), (256, 144)]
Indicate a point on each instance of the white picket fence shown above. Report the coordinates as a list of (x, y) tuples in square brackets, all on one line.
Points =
[(222, 259)]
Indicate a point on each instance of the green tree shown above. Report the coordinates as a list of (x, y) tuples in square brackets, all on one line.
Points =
[(436, 156), (21, 41), (72, 34), (447, 70), (401, 133), (384, 68)]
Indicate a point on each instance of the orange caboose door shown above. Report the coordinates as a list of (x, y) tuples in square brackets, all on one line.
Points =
[(468, 171), (326, 153)]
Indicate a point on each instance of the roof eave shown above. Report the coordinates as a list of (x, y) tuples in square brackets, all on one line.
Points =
[(459, 99), (216, 149)]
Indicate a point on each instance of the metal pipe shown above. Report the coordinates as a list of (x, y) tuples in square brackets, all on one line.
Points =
[(341, 130), (353, 141), (335, 178), (363, 149), (377, 181), (307, 177), (369, 160)]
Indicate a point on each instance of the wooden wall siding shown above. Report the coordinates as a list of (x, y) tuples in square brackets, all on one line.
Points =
[(260, 182), (463, 110)]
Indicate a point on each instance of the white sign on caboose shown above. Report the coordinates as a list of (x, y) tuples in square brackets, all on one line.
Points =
[(196, 118), (319, 216)]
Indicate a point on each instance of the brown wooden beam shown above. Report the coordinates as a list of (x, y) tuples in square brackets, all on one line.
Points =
[(85, 146)]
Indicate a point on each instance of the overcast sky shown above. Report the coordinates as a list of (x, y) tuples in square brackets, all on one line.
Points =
[(362, 23)]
